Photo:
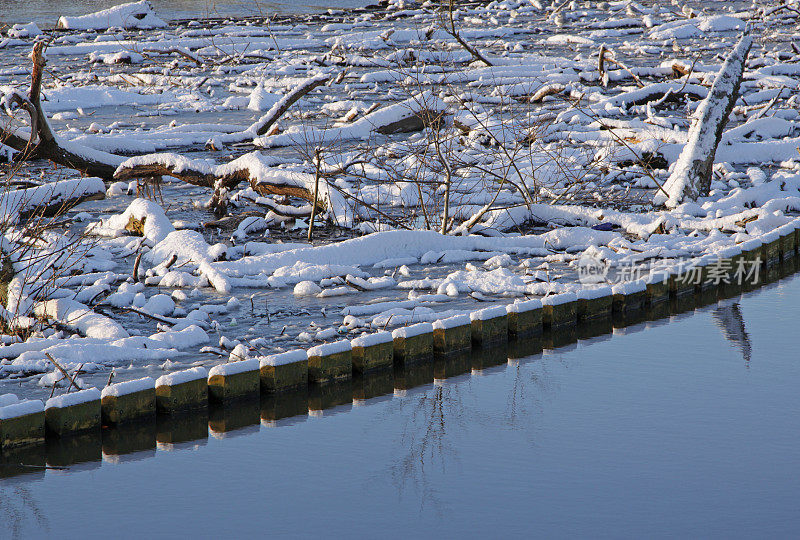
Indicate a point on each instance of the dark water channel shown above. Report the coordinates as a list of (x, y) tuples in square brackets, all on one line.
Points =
[(684, 426)]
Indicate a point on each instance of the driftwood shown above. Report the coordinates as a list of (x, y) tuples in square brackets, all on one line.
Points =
[(216, 181), (691, 177), (551, 89)]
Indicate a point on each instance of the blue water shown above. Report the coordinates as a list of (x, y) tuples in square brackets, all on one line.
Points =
[(685, 427)]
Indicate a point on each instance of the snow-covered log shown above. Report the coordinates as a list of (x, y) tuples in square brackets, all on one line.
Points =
[(691, 177), (252, 168), (132, 15), (80, 318), (48, 199)]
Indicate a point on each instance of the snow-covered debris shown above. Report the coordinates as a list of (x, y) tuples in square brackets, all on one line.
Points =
[(131, 15), (19, 30), (142, 216), (388, 119), (20, 202), (81, 318)]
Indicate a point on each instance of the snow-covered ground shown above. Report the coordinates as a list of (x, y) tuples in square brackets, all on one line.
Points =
[(551, 160)]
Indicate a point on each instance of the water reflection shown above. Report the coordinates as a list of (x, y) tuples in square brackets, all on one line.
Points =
[(427, 440), (729, 319), (19, 509)]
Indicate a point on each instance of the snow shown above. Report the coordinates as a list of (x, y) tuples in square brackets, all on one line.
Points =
[(451, 322), (78, 316), (180, 377), (373, 248), (489, 313), (75, 398), (128, 387), (131, 15), (594, 293), (159, 304), (94, 96), (234, 368), (239, 353), (558, 299), (261, 100), (630, 287), (413, 330), (307, 288), (524, 306), (281, 359), (19, 30), (368, 340), (328, 349), (21, 408)]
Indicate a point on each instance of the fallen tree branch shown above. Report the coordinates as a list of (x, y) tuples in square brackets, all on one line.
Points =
[(42, 143), (250, 168)]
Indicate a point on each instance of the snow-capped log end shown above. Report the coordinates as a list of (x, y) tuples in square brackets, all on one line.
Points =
[(691, 177)]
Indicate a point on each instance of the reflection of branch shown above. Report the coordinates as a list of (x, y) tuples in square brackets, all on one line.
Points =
[(13, 507), (425, 436), (729, 319)]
